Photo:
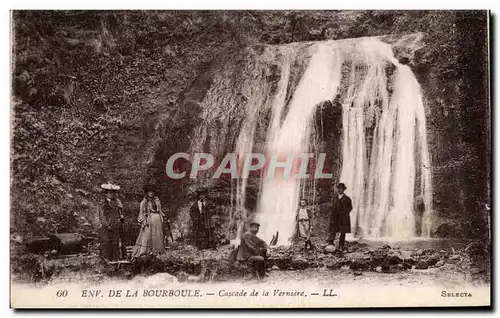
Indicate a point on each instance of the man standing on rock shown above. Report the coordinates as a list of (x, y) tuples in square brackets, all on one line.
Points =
[(419, 213), (253, 250), (340, 222)]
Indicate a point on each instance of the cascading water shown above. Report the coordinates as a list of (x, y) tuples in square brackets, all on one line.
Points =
[(389, 211), (280, 195), (384, 143)]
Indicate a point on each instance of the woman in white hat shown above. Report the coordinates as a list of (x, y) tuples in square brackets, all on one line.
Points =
[(151, 239), (111, 217)]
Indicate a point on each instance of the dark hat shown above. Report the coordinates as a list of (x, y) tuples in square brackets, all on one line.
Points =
[(149, 187), (201, 191), (341, 186)]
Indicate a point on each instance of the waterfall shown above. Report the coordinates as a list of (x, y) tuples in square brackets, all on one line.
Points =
[(280, 195), (384, 142)]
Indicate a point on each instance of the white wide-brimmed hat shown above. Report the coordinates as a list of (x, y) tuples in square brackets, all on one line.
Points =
[(110, 186)]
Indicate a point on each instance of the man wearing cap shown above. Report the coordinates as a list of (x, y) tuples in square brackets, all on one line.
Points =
[(253, 250), (340, 222), (112, 246)]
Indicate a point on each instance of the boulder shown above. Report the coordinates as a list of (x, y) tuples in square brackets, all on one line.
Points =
[(422, 265), (67, 243), (439, 264), (329, 249), (410, 261), (432, 259), (429, 251), (379, 258), (417, 253), (385, 268), (275, 268), (398, 268), (334, 264), (359, 264), (454, 259), (38, 245), (394, 258), (300, 263), (283, 263), (385, 258)]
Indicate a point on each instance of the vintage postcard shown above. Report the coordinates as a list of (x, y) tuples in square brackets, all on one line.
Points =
[(250, 159)]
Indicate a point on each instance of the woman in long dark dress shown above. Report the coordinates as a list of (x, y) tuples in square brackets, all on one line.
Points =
[(151, 239), (112, 247)]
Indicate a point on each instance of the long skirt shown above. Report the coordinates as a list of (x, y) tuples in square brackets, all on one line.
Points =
[(110, 242), (304, 229), (150, 239)]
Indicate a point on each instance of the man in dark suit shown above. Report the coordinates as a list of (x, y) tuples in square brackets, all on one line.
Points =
[(340, 222), (419, 213), (201, 216), (253, 250)]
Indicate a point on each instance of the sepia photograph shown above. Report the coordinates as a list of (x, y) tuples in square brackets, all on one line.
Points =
[(250, 159)]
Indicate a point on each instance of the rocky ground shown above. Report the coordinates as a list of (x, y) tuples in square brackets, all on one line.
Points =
[(466, 263)]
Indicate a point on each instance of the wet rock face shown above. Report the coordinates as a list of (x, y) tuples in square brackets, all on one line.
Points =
[(211, 115), (158, 118), (449, 229)]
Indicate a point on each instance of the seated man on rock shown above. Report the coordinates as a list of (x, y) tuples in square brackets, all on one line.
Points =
[(254, 250)]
